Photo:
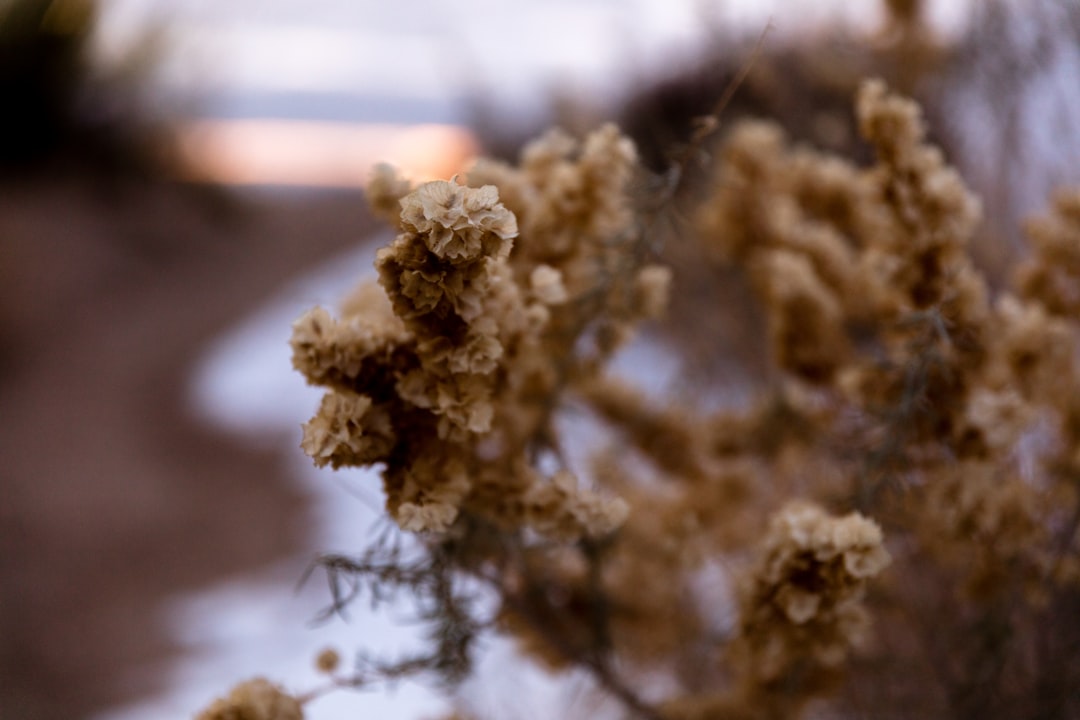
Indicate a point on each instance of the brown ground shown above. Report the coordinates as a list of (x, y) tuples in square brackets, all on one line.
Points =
[(111, 496)]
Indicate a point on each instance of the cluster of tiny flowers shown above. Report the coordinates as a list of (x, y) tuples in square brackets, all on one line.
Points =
[(257, 699), (803, 598), (450, 374)]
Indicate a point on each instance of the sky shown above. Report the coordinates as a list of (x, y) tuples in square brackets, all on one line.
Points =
[(266, 85), (420, 58)]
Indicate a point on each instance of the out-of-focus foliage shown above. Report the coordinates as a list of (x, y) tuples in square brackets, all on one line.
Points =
[(60, 108)]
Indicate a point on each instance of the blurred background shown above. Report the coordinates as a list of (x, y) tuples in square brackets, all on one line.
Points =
[(181, 179)]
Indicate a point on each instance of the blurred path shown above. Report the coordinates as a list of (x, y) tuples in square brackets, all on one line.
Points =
[(114, 497)]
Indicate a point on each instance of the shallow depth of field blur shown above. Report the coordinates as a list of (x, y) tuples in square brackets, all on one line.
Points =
[(181, 179)]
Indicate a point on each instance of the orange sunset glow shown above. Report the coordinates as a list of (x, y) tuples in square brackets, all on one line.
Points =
[(319, 154)]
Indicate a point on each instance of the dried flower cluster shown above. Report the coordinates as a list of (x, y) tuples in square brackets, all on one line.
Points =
[(447, 377), (803, 601), (256, 699), (912, 406), (951, 412)]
